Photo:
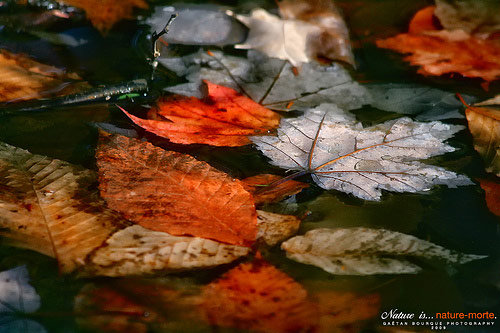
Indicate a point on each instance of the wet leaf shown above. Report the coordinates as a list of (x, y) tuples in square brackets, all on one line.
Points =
[(441, 52), (223, 118), (49, 206), (331, 42), (341, 154), (469, 15), (271, 82), (264, 191), (136, 251), (275, 228), (18, 297), (23, 79), (492, 194), (484, 125), (364, 251), (257, 296), (104, 14), (172, 192)]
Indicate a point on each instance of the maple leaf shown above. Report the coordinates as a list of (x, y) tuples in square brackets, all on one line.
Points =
[(23, 78), (223, 118), (341, 154), (442, 52), (18, 297), (263, 193), (103, 14), (172, 192), (271, 82), (364, 251), (484, 125), (492, 194), (48, 206), (331, 42)]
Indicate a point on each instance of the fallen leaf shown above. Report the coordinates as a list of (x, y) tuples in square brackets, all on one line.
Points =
[(491, 101), (271, 82), (492, 194), (23, 78), (484, 125), (341, 154), (18, 298), (331, 42), (172, 192), (49, 206), (275, 228), (257, 296), (224, 118), (104, 14), (137, 251), (441, 52), (364, 251), (264, 191)]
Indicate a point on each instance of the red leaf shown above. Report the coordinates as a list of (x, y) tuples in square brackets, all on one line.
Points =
[(262, 193), (224, 118), (172, 192), (492, 194)]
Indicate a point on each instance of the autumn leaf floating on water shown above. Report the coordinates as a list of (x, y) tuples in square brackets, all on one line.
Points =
[(24, 78), (364, 251), (441, 51), (340, 154), (492, 194), (223, 118), (265, 188)]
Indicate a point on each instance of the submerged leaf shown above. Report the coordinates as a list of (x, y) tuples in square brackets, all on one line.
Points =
[(264, 191), (471, 16), (274, 228), (172, 192), (271, 82), (48, 206), (492, 193), (223, 118), (136, 250), (364, 251), (342, 155)]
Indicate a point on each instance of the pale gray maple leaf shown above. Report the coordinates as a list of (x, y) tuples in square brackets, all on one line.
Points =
[(365, 251), (340, 154), (271, 82)]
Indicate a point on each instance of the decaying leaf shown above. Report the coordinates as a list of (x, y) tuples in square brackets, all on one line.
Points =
[(271, 82), (492, 193), (223, 118), (364, 251), (443, 52), (331, 42), (17, 296), (23, 78), (257, 296), (136, 251), (341, 154), (484, 125), (263, 193), (274, 228), (469, 15), (105, 13), (172, 192), (49, 206)]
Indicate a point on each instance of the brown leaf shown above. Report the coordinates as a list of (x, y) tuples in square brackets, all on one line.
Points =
[(492, 194), (262, 193), (441, 52), (172, 192), (105, 13), (48, 206), (331, 41), (224, 118), (274, 228), (484, 125), (257, 296), (23, 79)]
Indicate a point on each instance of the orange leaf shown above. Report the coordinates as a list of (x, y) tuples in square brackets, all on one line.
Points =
[(492, 194), (441, 52), (262, 193), (257, 296), (105, 13), (172, 192), (224, 118)]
